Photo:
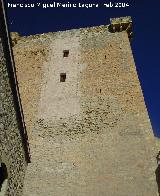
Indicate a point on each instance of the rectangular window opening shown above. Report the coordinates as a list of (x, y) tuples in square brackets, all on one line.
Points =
[(62, 77), (65, 53)]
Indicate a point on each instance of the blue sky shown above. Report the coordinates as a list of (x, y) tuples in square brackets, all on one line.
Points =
[(145, 44)]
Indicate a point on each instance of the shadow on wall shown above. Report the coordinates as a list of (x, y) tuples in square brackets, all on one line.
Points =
[(3, 178), (157, 172)]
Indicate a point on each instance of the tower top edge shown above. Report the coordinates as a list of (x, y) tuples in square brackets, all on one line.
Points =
[(116, 25)]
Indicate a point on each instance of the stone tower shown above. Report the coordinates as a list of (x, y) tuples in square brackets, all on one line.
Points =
[(89, 130)]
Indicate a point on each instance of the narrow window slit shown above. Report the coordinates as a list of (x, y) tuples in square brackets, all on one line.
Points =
[(65, 53), (62, 77)]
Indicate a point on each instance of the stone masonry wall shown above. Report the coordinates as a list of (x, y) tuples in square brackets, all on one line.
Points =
[(110, 74), (29, 56), (101, 97), (11, 148)]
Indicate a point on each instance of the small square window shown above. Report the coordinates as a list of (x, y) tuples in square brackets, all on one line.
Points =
[(65, 53), (62, 77)]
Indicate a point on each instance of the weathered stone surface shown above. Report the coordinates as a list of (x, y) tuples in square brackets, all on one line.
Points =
[(11, 147), (90, 135), (29, 58)]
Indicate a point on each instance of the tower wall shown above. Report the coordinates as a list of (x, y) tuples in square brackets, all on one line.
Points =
[(101, 98), (62, 97), (30, 55)]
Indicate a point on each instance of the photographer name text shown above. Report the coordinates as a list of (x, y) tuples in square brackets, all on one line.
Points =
[(68, 5)]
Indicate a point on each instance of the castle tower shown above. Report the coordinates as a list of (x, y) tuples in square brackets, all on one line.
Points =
[(89, 130)]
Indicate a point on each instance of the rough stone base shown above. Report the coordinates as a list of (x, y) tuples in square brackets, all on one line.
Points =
[(89, 165)]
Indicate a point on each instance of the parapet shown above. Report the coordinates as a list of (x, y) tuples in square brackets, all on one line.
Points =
[(117, 25), (121, 24)]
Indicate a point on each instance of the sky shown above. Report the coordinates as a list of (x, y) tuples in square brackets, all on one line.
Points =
[(145, 44)]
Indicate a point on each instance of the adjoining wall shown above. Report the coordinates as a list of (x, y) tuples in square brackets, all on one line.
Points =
[(14, 152), (11, 147)]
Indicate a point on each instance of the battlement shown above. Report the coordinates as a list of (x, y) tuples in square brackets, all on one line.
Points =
[(121, 24), (117, 25)]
